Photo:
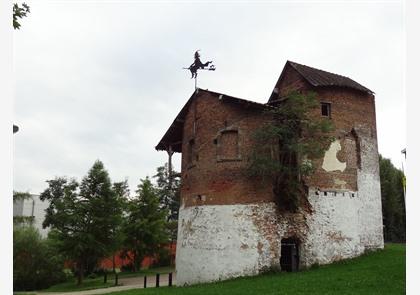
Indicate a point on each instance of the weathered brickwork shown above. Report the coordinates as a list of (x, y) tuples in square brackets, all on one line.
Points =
[(229, 225), (216, 176)]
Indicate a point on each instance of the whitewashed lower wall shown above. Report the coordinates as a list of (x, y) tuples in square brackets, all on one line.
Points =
[(334, 230), (219, 242), (216, 243)]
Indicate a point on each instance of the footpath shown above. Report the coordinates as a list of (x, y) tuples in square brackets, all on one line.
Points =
[(127, 284)]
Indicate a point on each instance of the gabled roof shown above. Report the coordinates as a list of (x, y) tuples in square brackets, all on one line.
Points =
[(173, 135), (317, 77)]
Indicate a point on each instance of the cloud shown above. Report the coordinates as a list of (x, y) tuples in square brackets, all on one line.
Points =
[(105, 80)]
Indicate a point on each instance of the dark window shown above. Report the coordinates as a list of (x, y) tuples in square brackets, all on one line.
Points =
[(326, 109)]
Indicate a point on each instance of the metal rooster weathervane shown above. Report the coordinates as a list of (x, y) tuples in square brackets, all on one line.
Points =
[(198, 65)]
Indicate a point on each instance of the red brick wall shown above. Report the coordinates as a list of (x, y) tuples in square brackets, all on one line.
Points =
[(349, 109), (218, 176), (214, 178), (147, 261)]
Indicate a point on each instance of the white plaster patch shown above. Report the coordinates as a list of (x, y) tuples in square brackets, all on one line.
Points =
[(331, 163)]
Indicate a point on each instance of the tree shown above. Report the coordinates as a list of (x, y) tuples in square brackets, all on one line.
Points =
[(145, 226), (122, 192), (103, 210), (84, 220), (36, 263), (169, 191), (287, 144), (18, 13), (393, 206)]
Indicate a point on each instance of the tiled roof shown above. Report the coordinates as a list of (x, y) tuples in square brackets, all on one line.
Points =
[(318, 77)]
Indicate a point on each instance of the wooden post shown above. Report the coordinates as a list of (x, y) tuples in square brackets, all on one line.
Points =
[(105, 277), (157, 280), (116, 279), (170, 153), (145, 282), (170, 280)]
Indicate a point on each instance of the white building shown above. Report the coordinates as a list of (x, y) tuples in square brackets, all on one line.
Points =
[(32, 207)]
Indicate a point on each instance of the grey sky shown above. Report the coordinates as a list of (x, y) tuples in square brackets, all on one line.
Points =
[(103, 80)]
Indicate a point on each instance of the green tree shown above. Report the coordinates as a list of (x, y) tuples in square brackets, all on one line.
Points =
[(393, 206), (18, 13), (169, 191), (85, 220), (122, 191), (287, 144), (145, 226), (36, 263), (103, 211)]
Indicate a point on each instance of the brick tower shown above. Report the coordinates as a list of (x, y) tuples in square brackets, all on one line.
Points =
[(229, 224)]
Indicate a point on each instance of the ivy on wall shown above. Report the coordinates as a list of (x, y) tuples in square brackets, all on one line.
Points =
[(285, 147)]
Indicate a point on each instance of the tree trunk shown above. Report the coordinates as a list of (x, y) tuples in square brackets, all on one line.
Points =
[(80, 273), (135, 261)]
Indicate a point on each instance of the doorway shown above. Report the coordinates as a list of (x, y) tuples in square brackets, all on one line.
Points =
[(289, 260)]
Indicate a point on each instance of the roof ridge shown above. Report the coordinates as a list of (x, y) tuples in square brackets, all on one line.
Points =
[(299, 64)]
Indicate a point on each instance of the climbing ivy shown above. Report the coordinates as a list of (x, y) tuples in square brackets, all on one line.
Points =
[(285, 147)]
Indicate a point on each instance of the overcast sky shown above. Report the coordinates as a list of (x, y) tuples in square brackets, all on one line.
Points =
[(104, 80)]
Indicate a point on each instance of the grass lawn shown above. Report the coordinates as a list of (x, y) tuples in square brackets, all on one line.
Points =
[(381, 272), (97, 283)]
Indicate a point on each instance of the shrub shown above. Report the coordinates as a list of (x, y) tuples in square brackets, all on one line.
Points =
[(36, 264)]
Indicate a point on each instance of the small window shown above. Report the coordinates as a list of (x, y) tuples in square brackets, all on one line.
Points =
[(326, 109)]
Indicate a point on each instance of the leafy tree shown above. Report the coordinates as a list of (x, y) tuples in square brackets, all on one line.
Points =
[(36, 263), (393, 206), (84, 220), (169, 191), (122, 192), (18, 13), (103, 210), (145, 226), (286, 146)]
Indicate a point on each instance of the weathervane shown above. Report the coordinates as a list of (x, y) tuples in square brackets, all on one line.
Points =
[(198, 65)]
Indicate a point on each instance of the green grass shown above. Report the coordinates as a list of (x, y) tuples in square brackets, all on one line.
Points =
[(98, 282), (380, 272)]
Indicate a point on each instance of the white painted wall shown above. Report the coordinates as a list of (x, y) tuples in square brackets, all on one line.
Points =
[(33, 207), (334, 231), (216, 243)]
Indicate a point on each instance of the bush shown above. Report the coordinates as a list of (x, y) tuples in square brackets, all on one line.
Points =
[(163, 258), (36, 264)]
